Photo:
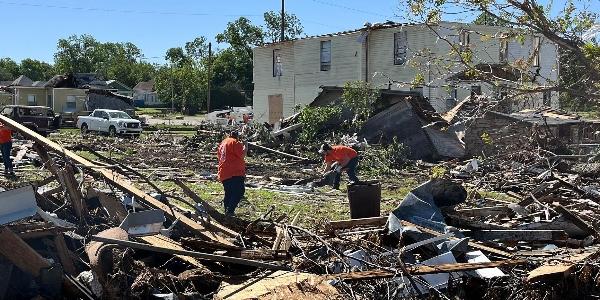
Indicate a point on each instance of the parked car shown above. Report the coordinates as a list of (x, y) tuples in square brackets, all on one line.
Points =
[(113, 122), (40, 119), (235, 114)]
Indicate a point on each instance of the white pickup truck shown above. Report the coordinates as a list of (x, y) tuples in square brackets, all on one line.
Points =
[(113, 122)]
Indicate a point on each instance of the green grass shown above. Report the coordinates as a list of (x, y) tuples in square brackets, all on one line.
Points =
[(589, 114)]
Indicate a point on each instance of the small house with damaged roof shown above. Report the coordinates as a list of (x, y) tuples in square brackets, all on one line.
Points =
[(401, 57)]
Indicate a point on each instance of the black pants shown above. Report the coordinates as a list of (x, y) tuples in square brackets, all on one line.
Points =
[(234, 191), (5, 150), (350, 169)]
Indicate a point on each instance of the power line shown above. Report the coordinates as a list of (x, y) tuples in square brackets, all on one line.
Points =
[(351, 8), (125, 11)]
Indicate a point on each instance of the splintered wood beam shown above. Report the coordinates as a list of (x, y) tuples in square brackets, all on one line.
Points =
[(277, 152), (518, 235), (117, 180), (571, 216), (20, 253), (199, 255), (423, 270), (346, 224)]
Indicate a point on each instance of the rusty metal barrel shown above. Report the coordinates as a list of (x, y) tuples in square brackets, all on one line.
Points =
[(364, 199)]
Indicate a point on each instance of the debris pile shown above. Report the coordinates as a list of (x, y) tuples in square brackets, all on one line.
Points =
[(101, 229)]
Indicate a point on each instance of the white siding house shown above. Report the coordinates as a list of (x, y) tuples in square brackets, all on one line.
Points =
[(290, 73)]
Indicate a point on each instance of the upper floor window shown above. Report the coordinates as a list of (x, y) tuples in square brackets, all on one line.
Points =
[(400, 46), (536, 51), (503, 50), (464, 39), (277, 64), (31, 100), (325, 55), (547, 98)]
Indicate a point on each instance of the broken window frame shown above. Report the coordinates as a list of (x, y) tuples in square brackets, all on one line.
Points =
[(400, 47), (325, 56), (537, 41), (277, 66)]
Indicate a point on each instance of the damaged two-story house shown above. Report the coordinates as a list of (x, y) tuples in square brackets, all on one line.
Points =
[(406, 57)]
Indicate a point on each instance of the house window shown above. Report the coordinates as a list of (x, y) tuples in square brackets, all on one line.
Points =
[(31, 100), (547, 97), (71, 104), (475, 90), (536, 51), (503, 50), (464, 39), (400, 46), (49, 101), (325, 55), (277, 64)]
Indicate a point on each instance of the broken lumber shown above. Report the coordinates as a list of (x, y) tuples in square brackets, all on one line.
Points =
[(485, 211), (117, 180), (423, 270), (20, 254), (163, 241), (345, 224), (277, 152), (517, 235), (203, 256), (64, 254), (571, 216)]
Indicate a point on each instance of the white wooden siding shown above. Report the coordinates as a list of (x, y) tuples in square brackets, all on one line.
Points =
[(302, 77)]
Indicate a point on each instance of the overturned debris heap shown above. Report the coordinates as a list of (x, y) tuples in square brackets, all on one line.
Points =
[(108, 238)]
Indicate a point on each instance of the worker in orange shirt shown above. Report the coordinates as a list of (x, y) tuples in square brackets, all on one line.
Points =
[(5, 149), (232, 169), (339, 158)]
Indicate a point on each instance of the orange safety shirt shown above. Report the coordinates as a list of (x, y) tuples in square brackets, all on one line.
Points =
[(5, 135), (340, 153), (231, 159)]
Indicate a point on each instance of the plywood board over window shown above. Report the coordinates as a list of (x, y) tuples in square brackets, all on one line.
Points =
[(275, 108)]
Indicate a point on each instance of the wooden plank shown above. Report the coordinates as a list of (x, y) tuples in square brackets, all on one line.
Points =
[(350, 223), (117, 180), (212, 212), (113, 207), (165, 242), (484, 211), (64, 254), (517, 235), (571, 216), (277, 152), (423, 270), (545, 271), (20, 254), (471, 243), (204, 256)]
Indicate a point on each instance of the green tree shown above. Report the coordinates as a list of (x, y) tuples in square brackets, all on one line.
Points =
[(9, 69), (242, 35), (293, 27), (119, 61), (36, 70), (580, 69)]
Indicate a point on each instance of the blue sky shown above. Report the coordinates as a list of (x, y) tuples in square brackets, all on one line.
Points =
[(33, 27)]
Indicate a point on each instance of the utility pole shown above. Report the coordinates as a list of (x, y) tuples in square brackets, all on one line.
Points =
[(209, 76), (282, 20)]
